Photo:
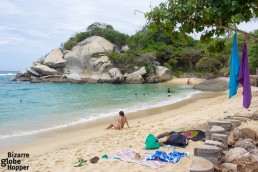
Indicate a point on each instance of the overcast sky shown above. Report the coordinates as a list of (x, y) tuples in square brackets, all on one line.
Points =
[(29, 29)]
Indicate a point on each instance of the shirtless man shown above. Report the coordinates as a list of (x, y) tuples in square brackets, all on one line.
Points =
[(121, 122)]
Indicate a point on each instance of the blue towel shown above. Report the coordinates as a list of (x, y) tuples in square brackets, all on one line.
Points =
[(234, 69), (173, 157)]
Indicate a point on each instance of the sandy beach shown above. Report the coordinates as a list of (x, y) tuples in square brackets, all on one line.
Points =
[(60, 150)]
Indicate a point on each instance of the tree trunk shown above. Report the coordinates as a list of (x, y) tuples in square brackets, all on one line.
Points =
[(256, 71)]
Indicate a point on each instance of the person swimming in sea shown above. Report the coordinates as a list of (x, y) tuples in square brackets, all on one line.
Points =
[(168, 91)]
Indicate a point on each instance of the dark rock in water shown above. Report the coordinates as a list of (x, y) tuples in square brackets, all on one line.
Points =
[(23, 78), (218, 84), (53, 78)]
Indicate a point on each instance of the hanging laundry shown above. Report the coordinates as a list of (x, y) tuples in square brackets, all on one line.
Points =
[(234, 69), (244, 78)]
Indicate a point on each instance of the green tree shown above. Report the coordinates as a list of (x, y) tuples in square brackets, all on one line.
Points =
[(253, 54), (98, 29), (209, 64), (211, 17)]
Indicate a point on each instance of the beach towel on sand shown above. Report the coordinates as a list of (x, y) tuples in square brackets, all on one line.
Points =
[(128, 155), (173, 157)]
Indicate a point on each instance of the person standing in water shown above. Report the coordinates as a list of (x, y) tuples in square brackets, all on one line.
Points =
[(168, 91), (120, 123)]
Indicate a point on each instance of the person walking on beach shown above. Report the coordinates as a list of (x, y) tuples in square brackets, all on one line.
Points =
[(168, 91), (120, 123), (188, 81)]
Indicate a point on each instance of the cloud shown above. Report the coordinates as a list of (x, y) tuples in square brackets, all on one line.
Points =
[(33, 28), (8, 7)]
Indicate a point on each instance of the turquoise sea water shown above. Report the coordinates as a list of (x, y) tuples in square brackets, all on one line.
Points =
[(27, 108)]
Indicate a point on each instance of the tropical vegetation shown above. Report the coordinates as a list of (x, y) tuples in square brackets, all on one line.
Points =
[(166, 41)]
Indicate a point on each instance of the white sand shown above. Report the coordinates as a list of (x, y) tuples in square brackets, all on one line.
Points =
[(59, 151)]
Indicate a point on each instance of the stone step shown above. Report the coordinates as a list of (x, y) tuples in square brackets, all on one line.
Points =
[(244, 115), (235, 123), (220, 138), (200, 164), (255, 115), (242, 119), (225, 124), (214, 143), (212, 130), (211, 153)]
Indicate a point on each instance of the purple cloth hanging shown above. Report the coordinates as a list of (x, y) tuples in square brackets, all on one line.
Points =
[(244, 78)]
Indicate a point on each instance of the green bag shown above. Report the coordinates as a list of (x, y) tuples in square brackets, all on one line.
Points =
[(151, 142)]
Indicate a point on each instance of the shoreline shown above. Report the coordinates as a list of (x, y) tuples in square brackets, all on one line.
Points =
[(82, 117), (23, 139), (33, 141)]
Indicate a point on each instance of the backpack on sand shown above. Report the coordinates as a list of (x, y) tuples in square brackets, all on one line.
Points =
[(177, 139)]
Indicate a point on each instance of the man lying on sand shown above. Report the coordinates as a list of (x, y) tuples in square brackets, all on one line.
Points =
[(121, 122)]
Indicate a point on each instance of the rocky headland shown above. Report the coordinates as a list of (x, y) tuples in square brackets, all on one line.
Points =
[(88, 62)]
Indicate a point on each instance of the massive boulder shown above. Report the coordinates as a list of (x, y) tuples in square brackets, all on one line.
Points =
[(101, 64), (99, 61), (105, 78), (78, 59), (73, 77), (115, 73), (218, 84), (141, 71), (44, 70), (54, 58), (163, 73), (94, 79), (32, 72), (134, 79)]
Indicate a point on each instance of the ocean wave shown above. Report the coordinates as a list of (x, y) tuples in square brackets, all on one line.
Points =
[(7, 74)]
